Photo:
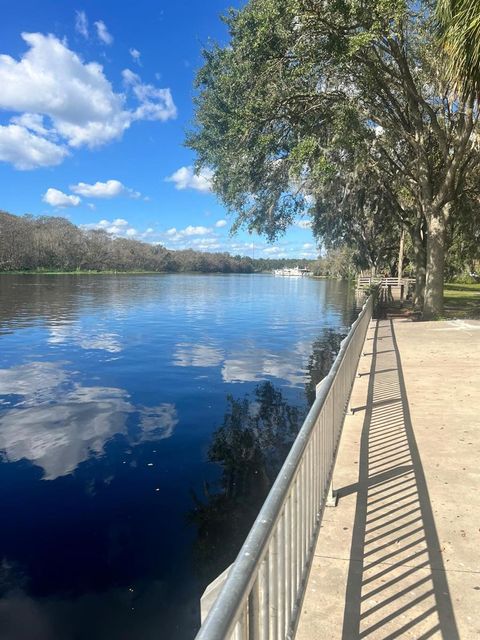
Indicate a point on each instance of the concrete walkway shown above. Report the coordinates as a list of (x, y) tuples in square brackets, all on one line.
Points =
[(399, 557)]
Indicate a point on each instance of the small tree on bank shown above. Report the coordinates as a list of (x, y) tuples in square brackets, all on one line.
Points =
[(310, 94)]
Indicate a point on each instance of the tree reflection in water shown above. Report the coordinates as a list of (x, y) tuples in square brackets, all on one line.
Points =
[(250, 446), (324, 352)]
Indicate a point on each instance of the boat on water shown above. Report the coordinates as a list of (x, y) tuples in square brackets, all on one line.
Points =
[(292, 272)]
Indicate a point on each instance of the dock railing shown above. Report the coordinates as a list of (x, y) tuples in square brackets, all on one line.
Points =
[(263, 590)]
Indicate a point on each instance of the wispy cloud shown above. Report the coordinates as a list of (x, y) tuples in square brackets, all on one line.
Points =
[(81, 23), (136, 55), (102, 32)]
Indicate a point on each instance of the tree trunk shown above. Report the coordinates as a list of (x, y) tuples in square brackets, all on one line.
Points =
[(420, 258), (433, 305), (400, 256)]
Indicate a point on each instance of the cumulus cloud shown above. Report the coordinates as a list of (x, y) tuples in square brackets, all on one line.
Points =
[(103, 33), (26, 150), (185, 178), (65, 102), (175, 235), (118, 227), (108, 189), (57, 198), (220, 223), (81, 23), (136, 55), (195, 231)]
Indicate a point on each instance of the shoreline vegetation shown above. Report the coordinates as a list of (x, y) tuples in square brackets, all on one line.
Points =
[(52, 244)]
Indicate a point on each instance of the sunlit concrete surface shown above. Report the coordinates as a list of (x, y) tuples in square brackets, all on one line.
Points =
[(399, 557)]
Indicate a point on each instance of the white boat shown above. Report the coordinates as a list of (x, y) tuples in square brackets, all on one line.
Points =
[(292, 272)]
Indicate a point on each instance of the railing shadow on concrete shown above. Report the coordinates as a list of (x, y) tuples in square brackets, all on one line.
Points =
[(397, 586)]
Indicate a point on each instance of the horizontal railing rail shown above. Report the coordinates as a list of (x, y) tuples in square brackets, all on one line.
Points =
[(384, 282), (264, 588)]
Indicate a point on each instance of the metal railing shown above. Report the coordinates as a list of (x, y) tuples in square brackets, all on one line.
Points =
[(263, 592)]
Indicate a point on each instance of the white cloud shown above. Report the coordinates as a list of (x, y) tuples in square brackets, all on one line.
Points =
[(81, 23), (51, 82), (57, 198), (118, 227), (195, 231), (33, 122), (272, 250), (303, 224), (185, 178), (136, 55), (220, 223), (155, 104), (308, 245), (26, 150), (206, 244), (108, 189), (176, 235), (103, 33)]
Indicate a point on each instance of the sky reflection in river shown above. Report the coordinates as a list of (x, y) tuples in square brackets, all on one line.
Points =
[(126, 405)]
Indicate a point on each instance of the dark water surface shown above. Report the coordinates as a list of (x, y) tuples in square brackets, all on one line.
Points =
[(142, 421)]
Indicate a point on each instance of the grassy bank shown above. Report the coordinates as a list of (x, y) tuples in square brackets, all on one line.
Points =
[(52, 272), (462, 300)]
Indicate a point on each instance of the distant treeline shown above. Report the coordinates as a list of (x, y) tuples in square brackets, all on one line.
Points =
[(52, 243)]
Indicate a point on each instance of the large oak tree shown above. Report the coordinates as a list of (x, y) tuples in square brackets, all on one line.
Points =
[(308, 94)]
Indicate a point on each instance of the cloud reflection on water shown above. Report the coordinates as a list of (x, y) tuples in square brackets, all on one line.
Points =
[(58, 423), (70, 332), (250, 364), (196, 355)]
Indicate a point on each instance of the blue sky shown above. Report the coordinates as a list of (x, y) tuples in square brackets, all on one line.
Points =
[(95, 99)]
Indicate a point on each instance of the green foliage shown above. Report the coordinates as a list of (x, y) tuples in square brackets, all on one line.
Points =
[(343, 102), (464, 278), (55, 245), (459, 31), (337, 263)]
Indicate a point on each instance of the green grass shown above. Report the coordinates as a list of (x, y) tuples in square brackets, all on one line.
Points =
[(461, 300)]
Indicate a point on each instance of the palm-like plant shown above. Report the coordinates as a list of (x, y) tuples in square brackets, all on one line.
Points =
[(459, 30)]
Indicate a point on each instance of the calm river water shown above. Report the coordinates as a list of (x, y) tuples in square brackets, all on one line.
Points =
[(142, 421)]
